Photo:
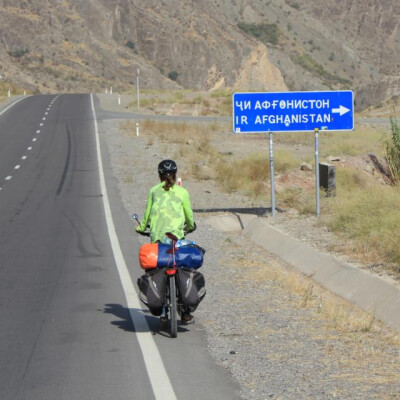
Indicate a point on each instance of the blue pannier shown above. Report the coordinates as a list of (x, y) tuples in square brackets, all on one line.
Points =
[(191, 256)]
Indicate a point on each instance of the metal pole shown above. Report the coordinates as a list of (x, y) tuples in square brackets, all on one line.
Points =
[(137, 86), (317, 197), (272, 173)]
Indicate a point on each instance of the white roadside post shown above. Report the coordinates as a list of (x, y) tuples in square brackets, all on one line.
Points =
[(106, 91), (137, 88), (111, 90), (9, 93), (119, 99), (137, 129)]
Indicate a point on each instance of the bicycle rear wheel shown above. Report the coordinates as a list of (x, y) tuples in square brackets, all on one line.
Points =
[(173, 307)]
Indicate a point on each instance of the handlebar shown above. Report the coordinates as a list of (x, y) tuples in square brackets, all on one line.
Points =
[(136, 218)]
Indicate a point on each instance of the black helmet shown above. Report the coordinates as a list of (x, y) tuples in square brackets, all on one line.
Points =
[(167, 166)]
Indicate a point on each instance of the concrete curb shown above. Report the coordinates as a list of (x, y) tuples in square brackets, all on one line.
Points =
[(368, 291)]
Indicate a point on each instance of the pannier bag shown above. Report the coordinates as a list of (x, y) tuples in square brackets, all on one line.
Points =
[(159, 255), (191, 287), (152, 287)]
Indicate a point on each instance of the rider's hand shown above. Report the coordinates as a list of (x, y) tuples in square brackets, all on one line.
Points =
[(191, 230), (138, 229)]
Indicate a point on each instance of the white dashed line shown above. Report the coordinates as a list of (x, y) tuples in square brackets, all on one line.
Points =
[(37, 131), (29, 148), (41, 124), (46, 113), (8, 177), (23, 158), (44, 119), (17, 167), (34, 139)]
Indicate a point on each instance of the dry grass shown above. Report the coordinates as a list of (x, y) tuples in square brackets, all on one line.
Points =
[(305, 293), (366, 213), (6, 86), (363, 211), (363, 140), (251, 174)]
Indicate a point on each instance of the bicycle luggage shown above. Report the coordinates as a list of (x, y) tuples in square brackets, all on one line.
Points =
[(160, 255), (152, 287), (191, 287)]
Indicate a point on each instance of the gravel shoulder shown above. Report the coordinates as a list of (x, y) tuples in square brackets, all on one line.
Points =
[(278, 333)]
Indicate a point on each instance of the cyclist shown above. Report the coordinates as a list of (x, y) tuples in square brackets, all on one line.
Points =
[(168, 206), (168, 210)]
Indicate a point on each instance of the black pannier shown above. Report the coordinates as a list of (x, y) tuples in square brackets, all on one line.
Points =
[(152, 287), (191, 285)]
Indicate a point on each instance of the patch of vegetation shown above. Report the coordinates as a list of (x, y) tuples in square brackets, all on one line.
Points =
[(131, 45), (367, 213), (266, 33), (310, 65), (18, 53), (221, 93), (173, 75), (254, 172), (392, 147), (293, 4)]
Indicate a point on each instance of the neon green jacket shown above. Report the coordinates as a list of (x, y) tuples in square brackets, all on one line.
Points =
[(167, 211)]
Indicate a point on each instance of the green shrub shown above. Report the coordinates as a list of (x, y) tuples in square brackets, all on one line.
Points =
[(173, 75), (18, 53), (309, 64), (130, 44), (392, 144), (266, 33), (367, 213)]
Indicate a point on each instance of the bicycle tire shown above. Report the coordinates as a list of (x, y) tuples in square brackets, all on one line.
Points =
[(173, 307)]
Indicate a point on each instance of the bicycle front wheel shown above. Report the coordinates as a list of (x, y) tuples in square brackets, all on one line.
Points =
[(173, 307)]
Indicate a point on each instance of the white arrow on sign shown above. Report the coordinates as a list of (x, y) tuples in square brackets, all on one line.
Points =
[(341, 110)]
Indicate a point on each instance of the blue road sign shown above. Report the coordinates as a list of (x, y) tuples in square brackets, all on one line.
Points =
[(293, 111)]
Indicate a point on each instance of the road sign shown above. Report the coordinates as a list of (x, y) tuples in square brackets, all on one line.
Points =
[(293, 111)]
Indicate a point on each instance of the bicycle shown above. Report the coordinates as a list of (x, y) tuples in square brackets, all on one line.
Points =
[(173, 305)]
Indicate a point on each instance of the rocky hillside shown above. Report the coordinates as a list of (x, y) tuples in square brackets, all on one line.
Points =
[(329, 44), (88, 45), (70, 45)]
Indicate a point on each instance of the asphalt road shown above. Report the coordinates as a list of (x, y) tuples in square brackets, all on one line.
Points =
[(65, 326)]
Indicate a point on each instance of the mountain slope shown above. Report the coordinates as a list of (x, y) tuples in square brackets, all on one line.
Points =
[(50, 45), (76, 45)]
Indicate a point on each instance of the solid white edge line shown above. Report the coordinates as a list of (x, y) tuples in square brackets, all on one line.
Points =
[(13, 104), (159, 380)]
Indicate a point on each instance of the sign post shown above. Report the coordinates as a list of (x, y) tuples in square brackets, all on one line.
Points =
[(293, 112), (272, 173), (317, 197)]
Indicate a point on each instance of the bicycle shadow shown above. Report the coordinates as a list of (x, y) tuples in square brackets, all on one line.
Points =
[(126, 315)]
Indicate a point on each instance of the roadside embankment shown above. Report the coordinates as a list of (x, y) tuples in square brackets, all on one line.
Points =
[(372, 293)]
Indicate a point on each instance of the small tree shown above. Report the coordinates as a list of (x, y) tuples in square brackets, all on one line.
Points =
[(130, 44), (173, 75)]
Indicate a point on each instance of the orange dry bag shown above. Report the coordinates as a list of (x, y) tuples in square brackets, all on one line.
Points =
[(148, 255)]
